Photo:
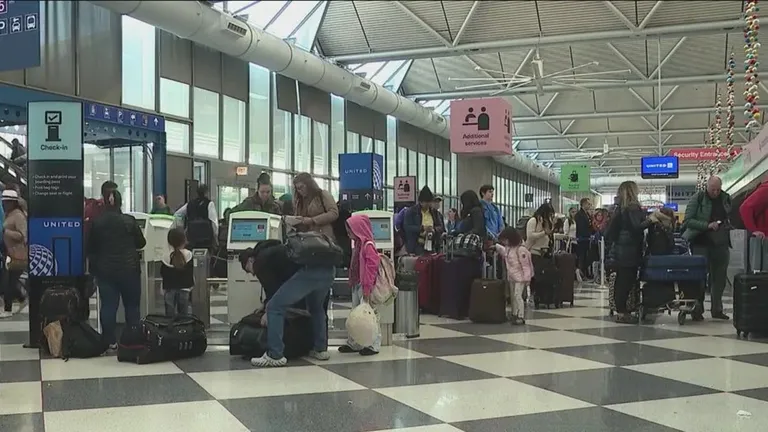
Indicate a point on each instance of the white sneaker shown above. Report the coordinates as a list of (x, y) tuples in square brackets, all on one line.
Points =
[(267, 361), (5, 314), (320, 355)]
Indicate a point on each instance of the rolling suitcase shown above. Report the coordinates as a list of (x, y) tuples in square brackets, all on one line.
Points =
[(750, 301), (488, 297), (757, 254), (566, 265), (429, 292), (455, 274), (546, 280)]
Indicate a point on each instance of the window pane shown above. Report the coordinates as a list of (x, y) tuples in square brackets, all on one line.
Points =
[(228, 197), (122, 176), (439, 176), (96, 170), (353, 142), (447, 181), (454, 184), (176, 137), (282, 134), (142, 191), (206, 118), (303, 143), (174, 98), (305, 35), (139, 69), (423, 171), (258, 132), (234, 130), (281, 184), (412, 164), (338, 132), (378, 147), (389, 199), (334, 189), (320, 150), (366, 144), (431, 174), (402, 161), (391, 165)]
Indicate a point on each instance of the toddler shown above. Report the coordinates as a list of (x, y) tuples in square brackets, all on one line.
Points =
[(519, 269), (177, 274), (363, 271)]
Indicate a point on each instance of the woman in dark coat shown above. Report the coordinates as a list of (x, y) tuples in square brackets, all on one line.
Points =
[(471, 215), (626, 234)]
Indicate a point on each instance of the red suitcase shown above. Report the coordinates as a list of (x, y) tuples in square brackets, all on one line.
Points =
[(429, 294)]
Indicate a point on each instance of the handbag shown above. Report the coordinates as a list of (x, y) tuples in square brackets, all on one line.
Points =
[(313, 249), (19, 256), (466, 245)]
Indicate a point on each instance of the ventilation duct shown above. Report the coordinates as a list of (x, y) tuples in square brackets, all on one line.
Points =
[(685, 179), (220, 31)]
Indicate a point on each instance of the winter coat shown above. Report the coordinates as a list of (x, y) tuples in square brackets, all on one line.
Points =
[(412, 229), (493, 222), (323, 211), (754, 210), (518, 261), (698, 212), (626, 236), (114, 243), (254, 203), (474, 223), (364, 266)]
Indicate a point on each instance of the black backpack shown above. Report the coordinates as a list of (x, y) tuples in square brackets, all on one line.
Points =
[(80, 340), (248, 338), (60, 303), (199, 228)]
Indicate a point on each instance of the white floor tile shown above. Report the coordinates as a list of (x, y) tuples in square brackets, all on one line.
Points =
[(386, 353), (716, 373), (521, 363), (711, 346), (704, 328), (14, 326), (597, 302), (578, 311), (433, 428), (272, 382), (572, 323), (20, 398), (473, 400), (18, 352), (339, 313), (219, 310), (101, 367), (709, 413), (436, 320), (432, 332), (218, 298), (552, 339), (180, 417)]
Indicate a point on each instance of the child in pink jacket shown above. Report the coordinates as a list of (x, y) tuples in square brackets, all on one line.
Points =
[(363, 270), (519, 269)]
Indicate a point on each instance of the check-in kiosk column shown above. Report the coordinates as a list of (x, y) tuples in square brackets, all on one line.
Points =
[(246, 230)]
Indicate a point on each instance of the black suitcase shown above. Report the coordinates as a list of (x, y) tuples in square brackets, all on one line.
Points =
[(546, 280), (160, 338), (248, 338), (750, 303), (456, 277), (488, 297)]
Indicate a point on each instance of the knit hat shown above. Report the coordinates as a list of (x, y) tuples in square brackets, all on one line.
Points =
[(425, 195)]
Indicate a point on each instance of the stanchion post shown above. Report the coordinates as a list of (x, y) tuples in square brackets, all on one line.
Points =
[(602, 263)]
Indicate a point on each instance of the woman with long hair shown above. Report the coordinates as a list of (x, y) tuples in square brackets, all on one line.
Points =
[(471, 215), (538, 233), (316, 207), (625, 234), (539, 229)]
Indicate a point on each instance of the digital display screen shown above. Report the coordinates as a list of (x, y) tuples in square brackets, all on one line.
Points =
[(248, 230), (660, 167), (382, 229), (141, 222)]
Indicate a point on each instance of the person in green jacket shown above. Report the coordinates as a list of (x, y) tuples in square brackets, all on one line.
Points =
[(707, 229), (262, 200), (161, 207)]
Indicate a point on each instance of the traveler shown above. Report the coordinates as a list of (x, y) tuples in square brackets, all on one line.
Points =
[(421, 223), (95, 207), (519, 269), (626, 234), (114, 261), (15, 240), (286, 204), (493, 220), (472, 220), (316, 207), (200, 220), (569, 224), (262, 200), (178, 274), (707, 229), (754, 211), (539, 230), (437, 204), (160, 207), (309, 283), (584, 233), (661, 238), (450, 224), (363, 271)]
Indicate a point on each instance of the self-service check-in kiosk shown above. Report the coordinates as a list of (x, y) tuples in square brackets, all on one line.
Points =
[(157, 240), (246, 229), (384, 236)]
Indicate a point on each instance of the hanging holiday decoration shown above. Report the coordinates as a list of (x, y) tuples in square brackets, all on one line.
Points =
[(751, 64), (729, 102), (715, 165)]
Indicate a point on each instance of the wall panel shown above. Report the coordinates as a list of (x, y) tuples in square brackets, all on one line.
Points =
[(235, 78), (99, 53), (175, 57), (178, 169), (207, 68), (57, 69)]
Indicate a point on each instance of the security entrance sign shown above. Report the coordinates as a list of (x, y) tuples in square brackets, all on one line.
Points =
[(574, 178), (55, 185)]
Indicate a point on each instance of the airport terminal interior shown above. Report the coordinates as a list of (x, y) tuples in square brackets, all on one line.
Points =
[(546, 101)]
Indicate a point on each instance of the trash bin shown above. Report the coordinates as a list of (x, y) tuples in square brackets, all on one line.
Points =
[(407, 305)]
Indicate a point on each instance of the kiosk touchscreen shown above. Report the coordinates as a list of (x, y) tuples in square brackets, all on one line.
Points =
[(246, 229), (157, 245), (382, 224)]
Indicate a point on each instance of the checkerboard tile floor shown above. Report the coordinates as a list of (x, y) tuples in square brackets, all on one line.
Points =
[(567, 370)]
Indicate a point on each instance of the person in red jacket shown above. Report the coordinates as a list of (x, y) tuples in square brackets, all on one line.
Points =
[(754, 211)]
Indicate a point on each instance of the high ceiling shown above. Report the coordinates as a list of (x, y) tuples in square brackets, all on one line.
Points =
[(432, 43)]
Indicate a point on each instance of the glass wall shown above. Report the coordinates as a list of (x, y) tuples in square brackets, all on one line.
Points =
[(139, 63), (206, 118), (234, 130)]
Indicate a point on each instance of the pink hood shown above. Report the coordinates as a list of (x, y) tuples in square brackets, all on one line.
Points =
[(364, 267)]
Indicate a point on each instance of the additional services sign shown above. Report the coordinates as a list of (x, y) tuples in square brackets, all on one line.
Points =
[(575, 178), (481, 127), (702, 154), (19, 34), (405, 189)]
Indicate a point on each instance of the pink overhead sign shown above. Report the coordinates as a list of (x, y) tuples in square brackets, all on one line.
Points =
[(481, 127)]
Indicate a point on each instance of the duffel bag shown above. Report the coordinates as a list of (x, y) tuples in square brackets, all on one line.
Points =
[(160, 338), (675, 268), (248, 338)]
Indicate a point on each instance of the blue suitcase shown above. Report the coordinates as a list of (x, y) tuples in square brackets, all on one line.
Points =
[(675, 268)]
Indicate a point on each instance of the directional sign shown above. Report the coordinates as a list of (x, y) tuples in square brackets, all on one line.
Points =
[(19, 34), (124, 117)]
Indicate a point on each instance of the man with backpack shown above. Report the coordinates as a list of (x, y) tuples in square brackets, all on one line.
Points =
[(200, 220)]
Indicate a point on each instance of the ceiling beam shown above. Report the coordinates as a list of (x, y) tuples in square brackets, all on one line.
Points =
[(620, 15), (650, 15), (674, 31), (615, 114), (465, 24), (627, 61), (608, 134), (622, 148), (668, 56), (554, 88)]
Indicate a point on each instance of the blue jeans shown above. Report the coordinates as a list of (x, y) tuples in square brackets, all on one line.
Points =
[(111, 290), (312, 284)]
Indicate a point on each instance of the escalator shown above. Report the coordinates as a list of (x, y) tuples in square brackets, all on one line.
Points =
[(12, 173)]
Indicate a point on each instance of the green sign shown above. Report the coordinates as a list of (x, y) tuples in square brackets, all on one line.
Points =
[(574, 178)]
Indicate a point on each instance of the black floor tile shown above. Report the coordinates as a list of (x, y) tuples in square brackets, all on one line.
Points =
[(626, 354), (490, 329), (22, 423), (396, 373), (457, 346), (635, 333), (19, 371), (222, 361), (756, 359)]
